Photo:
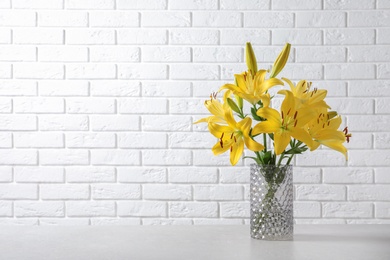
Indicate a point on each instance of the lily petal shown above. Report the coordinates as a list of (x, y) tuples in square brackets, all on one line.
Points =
[(236, 152), (281, 140)]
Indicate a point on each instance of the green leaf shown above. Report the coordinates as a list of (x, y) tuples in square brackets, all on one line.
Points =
[(255, 116), (233, 106), (271, 136)]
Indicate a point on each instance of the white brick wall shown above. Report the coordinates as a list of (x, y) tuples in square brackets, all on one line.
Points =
[(98, 97)]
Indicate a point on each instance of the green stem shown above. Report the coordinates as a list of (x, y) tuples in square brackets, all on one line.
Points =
[(289, 160), (265, 142)]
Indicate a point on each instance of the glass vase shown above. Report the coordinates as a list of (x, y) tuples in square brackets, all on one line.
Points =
[(271, 202)]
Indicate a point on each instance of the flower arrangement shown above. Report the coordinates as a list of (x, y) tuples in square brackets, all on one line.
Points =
[(304, 120)]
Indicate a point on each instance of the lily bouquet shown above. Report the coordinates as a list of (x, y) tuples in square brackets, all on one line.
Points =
[(304, 120)]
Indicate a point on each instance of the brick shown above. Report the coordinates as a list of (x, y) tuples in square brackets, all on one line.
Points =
[(6, 209), (115, 123), (352, 105), (307, 175), (349, 4), (297, 37), (63, 123), (377, 18), (15, 18), (235, 209), (166, 123), (39, 105), (39, 209), (5, 105), (166, 157), (63, 53), (307, 71), (378, 88), (18, 122), (143, 106), (304, 209), (62, 18), (114, 54), (193, 4), (187, 106), (321, 19), (142, 140), (320, 192), (382, 209), (90, 174), (269, 19), (383, 71), (166, 19), (382, 140), (18, 53), (242, 35), (207, 158), (190, 140), (194, 71), (166, 89), (383, 4), (349, 71), (217, 19), (142, 36), (142, 208), (245, 5), (18, 88), (6, 140), (117, 88), (5, 71), (5, 35), (115, 157), (234, 175), (192, 175), (321, 54), (368, 192), (373, 123), (166, 54), (142, 71), (18, 191), (38, 140), (347, 210), (116, 191), (348, 175), (63, 88), (90, 140), (90, 4), (6, 174), (296, 4), (141, 4), (38, 174), (193, 209), (115, 221), (382, 106), (38, 36), (366, 141), (38, 71), (90, 208), (193, 36), (166, 192), (203, 88), (90, 36), (141, 174), (218, 192), (37, 4), (383, 35), (373, 158), (63, 157), (18, 157), (64, 191), (90, 71), (349, 36), (219, 54), (368, 54), (90, 106), (115, 19)]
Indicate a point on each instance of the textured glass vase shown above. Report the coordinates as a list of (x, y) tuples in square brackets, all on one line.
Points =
[(271, 202)]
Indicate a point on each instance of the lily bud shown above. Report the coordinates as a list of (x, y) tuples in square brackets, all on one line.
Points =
[(233, 105), (280, 61), (250, 59), (332, 114)]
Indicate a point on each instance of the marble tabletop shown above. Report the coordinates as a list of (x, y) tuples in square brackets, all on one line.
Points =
[(315, 242)]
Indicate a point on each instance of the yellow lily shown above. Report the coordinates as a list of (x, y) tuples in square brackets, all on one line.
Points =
[(280, 61), (323, 129), (306, 97), (233, 136), (289, 123), (252, 87), (216, 108)]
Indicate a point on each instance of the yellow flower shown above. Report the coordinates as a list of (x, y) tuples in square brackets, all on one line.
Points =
[(233, 136), (216, 108), (252, 87), (323, 129), (280, 61), (289, 123), (305, 97)]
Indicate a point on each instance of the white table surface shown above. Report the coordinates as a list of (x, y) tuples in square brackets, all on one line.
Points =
[(315, 242)]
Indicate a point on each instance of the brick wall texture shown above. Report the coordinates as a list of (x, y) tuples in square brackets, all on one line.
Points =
[(98, 97)]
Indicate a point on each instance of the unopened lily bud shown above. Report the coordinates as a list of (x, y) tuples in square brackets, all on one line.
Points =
[(250, 58), (280, 61)]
